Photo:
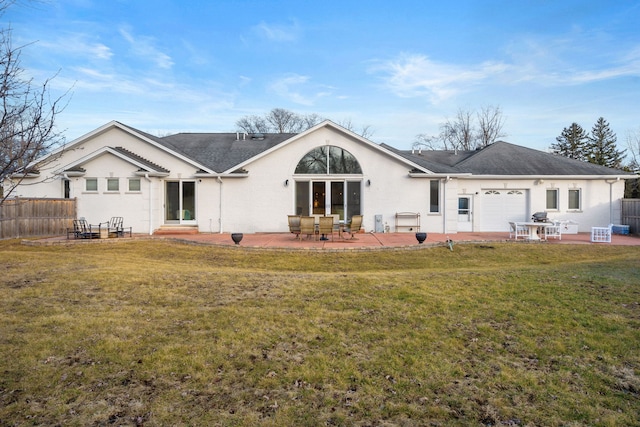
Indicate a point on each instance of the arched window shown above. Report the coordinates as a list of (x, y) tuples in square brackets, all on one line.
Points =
[(328, 159)]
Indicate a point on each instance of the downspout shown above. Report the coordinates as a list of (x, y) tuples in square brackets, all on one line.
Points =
[(611, 182), (444, 204), (220, 206), (146, 176)]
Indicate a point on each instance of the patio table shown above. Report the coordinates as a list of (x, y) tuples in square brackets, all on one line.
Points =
[(533, 228)]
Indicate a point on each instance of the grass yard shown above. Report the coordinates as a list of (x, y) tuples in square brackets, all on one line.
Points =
[(157, 333)]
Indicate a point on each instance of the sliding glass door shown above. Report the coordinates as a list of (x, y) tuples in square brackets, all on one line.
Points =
[(180, 202)]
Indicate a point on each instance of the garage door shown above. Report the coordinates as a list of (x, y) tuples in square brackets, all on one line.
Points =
[(501, 206)]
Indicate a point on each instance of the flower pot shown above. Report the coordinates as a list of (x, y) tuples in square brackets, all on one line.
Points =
[(421, 237), (236, 237)]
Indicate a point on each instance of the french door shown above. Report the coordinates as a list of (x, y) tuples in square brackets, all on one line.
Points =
[(328, 197), (180, 202)]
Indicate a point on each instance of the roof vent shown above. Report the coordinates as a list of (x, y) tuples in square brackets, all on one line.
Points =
[(258, 136)]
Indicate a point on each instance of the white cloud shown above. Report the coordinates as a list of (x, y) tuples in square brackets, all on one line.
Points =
[(288, 88), (143, 47), (417, 75), (75, 44), (278, 33)]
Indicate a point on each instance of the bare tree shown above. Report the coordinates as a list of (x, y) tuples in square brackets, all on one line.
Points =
[(490, 123), (365, 131), (310, 120), (253, 124), (632, 186), (284, 121), (428, 142), (458, 134), (633, 146), (280, 120), (27, 116), (461, 133)]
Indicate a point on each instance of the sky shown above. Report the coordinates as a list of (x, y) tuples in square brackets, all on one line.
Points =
[(400, 67)]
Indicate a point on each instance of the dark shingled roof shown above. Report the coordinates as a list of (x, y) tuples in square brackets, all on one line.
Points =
[(503, 158), (222, 151), (149, 164), (435, 161)]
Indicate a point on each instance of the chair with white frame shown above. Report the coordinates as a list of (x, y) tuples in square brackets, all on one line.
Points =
[(601, 234)]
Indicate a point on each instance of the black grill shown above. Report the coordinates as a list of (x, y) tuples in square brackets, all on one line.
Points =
[(540, 217)]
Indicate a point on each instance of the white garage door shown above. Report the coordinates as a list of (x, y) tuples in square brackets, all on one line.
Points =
[(501, 206)]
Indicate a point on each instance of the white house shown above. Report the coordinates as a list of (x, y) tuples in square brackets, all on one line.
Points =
[(235, 182)]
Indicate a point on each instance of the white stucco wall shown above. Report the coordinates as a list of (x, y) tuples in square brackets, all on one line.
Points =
[(596, 209), (260, 202)]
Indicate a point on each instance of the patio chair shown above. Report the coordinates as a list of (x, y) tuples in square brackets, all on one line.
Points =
[(294, 224), (326, 227), (518, 230), (307, 227), (554, 231), (83, 230), (354, 226), (601, 234), (115, 227)]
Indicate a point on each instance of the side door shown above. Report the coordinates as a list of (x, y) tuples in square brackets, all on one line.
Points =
[(465, 214)]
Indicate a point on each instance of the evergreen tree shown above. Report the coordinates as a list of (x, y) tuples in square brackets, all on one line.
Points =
[(601, 148), (571, 143)]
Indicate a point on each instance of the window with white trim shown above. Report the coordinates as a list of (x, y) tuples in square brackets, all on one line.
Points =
[(134, 184), (574, 200), (113, 184), (91, 184)]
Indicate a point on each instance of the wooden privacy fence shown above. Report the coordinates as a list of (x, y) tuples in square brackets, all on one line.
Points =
[(631, 214), (27, 217)]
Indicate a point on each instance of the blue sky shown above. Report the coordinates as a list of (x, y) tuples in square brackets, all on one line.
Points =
[(401, 67)]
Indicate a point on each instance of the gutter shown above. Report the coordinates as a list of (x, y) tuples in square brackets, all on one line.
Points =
[(536, 177)]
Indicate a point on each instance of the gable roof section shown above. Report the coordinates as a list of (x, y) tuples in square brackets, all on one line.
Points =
[(152, 140), (505, 159), (223, 152), (430, 160), (143, 164), (329, 124), (146, 165), (228, 153)]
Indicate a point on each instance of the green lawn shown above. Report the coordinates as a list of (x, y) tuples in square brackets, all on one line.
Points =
[(159, 333)]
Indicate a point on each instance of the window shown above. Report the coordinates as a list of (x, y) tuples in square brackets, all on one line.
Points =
[(328, 159), (574, 200), (67, 188), (552, 199), (113, 184), (434, 196), (91, 184), (134, 184)]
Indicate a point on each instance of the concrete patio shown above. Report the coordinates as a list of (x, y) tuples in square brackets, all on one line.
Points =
[(370, 241), (362, 241)]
